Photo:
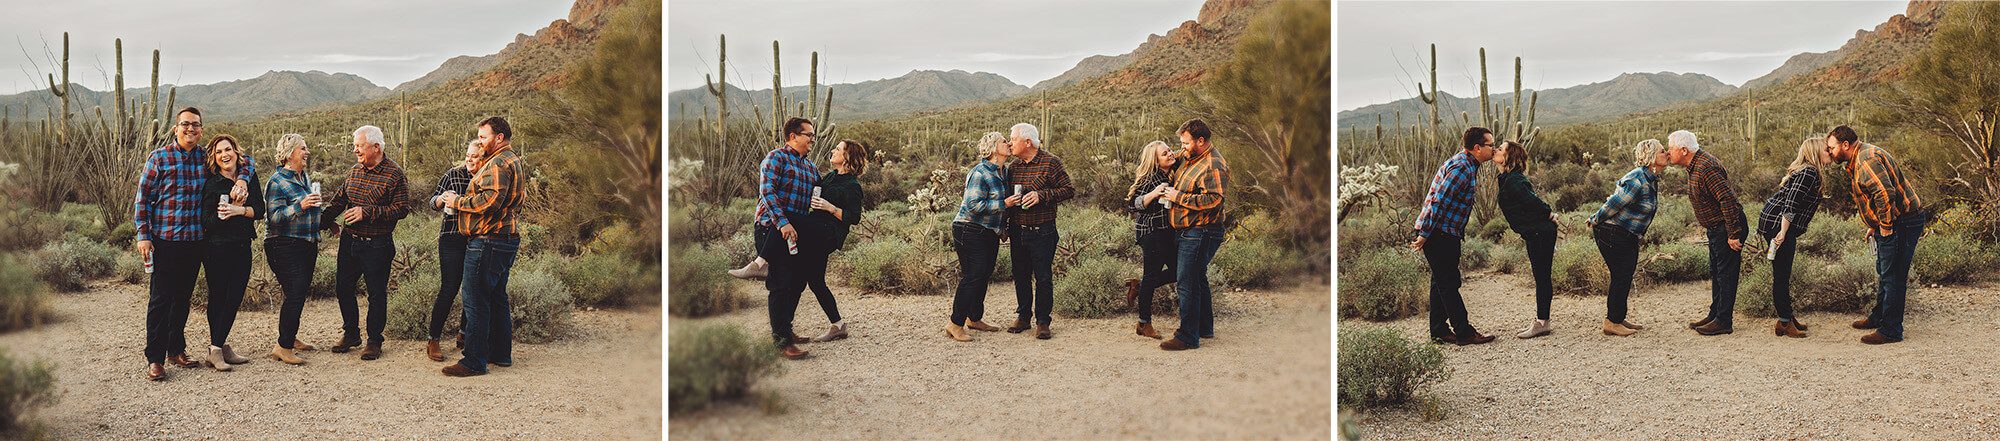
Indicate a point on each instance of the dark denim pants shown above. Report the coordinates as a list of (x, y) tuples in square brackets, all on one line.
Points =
[(292, 260), (1893, 255), (1447, 306), (489, 316), (1197, 246), (785, 282), (1160, 257), (1620, 249), (1725, 270), (1034, 254), (978, 248), (1781, 277), (363, 257), (175, 266)]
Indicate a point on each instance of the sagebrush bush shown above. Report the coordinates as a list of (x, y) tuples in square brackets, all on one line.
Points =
[(541, 306), (1846, 285), (1380, 367), (1579, 267), (410, 307), (1677, 261), (1510, 256), (703, 223), (1372, 230), (607, 279), (712, 363), (68, 265), (24, 301), (1753, 295), (132, 269), (1094, 288), (1833, 236), (697, 282), (1003, 265), (85, 220), (1474, 253), (1674, 220), (1951, 259), (1254, 262), (1382, 284), (24, 388), (893, 265), (1089, 231)]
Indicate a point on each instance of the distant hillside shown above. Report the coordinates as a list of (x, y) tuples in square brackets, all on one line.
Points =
[(915, 91), (1088, 68), (1797, 65), (1626, 94), (455, 68), (271, 93)]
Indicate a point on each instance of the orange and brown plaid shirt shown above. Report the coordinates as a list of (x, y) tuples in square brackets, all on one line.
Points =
[(1880, 193), (493, 197), (383, 194), (1201, 179)]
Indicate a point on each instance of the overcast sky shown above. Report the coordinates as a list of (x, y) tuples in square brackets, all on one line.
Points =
[(386, 41), (1564, 44), (1026, 41)]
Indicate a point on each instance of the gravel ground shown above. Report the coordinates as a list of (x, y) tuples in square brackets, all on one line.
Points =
[(1267, 375), (601, 383), (1666, 382)]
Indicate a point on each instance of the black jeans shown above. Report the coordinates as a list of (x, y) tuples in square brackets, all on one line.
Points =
[(1725, 269), (451, 271), (1781, 277), (978, 249), (292, 260), (228, 266), (1621, 254), (1542, 256), (175, 266), (1159, 257), (1447, 306), (363, 256), (1034, 254), (784, 282)]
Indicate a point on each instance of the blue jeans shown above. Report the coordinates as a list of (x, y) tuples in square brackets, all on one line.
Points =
[(1725, 269), (1197, 304), (1892, 272), (977, 248), (489, 318)]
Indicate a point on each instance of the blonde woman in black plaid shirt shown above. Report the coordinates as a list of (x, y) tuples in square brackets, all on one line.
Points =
[(1149, 221), (451, 249)]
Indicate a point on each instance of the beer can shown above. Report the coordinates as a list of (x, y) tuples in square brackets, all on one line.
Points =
[(224, 200)]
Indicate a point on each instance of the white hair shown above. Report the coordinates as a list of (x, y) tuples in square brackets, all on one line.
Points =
[(990, 143), (1026, 130), (1683, 138), (370, 134), (291, 142), (1642, 154)]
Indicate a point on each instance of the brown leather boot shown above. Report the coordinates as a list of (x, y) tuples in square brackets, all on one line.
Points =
[(1876, 338), (1713, 328), (279, 353), (792, 352), (1475, 339), (1614, 329), (980, 326), (1700, 323), (956, 333), (1174, 344), (1786, 329), (1042, 332), (156, 372), (459, 370), (182, 361), (1865, 324), (346, 344), (1019, 325), (1146, 329), (431, 350), (1131, 291), (372, 351)]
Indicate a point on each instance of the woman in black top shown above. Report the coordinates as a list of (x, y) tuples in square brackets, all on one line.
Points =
[(228, 227), (451, 249), (1149, 225), (836, 208), (1784, 218), (1528, 216)]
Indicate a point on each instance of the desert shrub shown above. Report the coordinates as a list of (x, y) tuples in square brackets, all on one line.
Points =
[(69, 264), (1088, 231), (892, 264), (1847, 285), (1510, 256), (1255, 262), (1093, 288), (1474, 253), (24, 301), (713, 363), (132, 269), (701, 223), (410, 308), (541, 306), (1579, 267), (1382, 284), (1381, 367), (23, 228), (1673, 221), (85, 220), (1833, 236), (1003, 265), (697, 282), (24, 388), (1373, 230), (1100, 180), (1491, 230), (121, 236), (610, 279), (325, 268), (1676, 261), (1952, 258)]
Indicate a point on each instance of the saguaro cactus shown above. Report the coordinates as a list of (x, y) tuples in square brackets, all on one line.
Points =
[(1434, 95), (118, 91), (720, 89), (777, 98), (1749, 129), (61, 91)]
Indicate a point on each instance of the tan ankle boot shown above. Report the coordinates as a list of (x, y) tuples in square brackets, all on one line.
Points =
[(431, 350), (285, 355), (229, 356), (215, 360), (1146, 329), (956, 333), (1615, 329)]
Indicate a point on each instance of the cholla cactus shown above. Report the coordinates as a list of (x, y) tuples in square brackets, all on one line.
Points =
[(935, 196), (1367, 184), (682, 170)]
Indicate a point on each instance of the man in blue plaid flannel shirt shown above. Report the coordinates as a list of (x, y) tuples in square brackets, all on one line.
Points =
[(1441, 234), (784, 193)]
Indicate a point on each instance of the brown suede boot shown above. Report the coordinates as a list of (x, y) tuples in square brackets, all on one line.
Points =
[(1146, 329), (956, 333), (1786, 329), (1865, 324), (980, 326), (431, 350), (215, 361), (279, 353), (1019, 325), (1131, 291), (1614, 329)]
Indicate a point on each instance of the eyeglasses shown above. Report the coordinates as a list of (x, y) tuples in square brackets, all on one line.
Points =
[(191, 124), (809, 134)]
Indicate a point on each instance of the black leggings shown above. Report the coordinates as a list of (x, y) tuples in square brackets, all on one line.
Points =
[(814, 267), (978, 249), (451, 272), (292, 261), (1161, 256), (228, 266), (1621, 254), (1542, 256)]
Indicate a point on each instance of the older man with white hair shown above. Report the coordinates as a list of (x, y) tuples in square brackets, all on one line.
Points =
[(369, 203), (1039, 182), (1713, 196)]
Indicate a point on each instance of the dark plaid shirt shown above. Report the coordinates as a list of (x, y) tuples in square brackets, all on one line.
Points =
[(1633, 204), (1448, 203), (286, 218), (166, 205), (1713, 196), (984, 203), (1202, 179), (1880, 193), (454, 181), (1044, 175), (1148, 216), (1797, 199), (493, 197), (383, 194), (784, 187)]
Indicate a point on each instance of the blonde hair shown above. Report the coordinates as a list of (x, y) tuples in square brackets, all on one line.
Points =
[(1642, 154), (990, 143), (1812, 154), (286, 145), (1148, 159)]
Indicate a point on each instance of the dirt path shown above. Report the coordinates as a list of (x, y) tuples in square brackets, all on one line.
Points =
[(1267, 375), (1667, 382), (601, 383)]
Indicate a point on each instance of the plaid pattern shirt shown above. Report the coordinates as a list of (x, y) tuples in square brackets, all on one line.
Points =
[(166, 205), (1797, 199), (493, 196), (1202, 178), (383, 194), (1713, 196), (454, 181), (784, 187), (1880, 193), (286, 218), (1632, 205), (1147, 216), (1044, 175), (985, 193), (1448, 203)]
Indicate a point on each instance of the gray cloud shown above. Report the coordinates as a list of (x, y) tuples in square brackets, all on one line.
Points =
[(1383, 45)]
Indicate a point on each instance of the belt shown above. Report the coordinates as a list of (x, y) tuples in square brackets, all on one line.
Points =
[(345, 236), (495, 236), (1035, 227)]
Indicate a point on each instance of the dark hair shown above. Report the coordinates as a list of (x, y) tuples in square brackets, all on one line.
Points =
[(857, 156), (188, 109), (215, 167), (795, 126), (1843, 133), (1517, 156), (1475, 136), (1195, 128), (498, 124)]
